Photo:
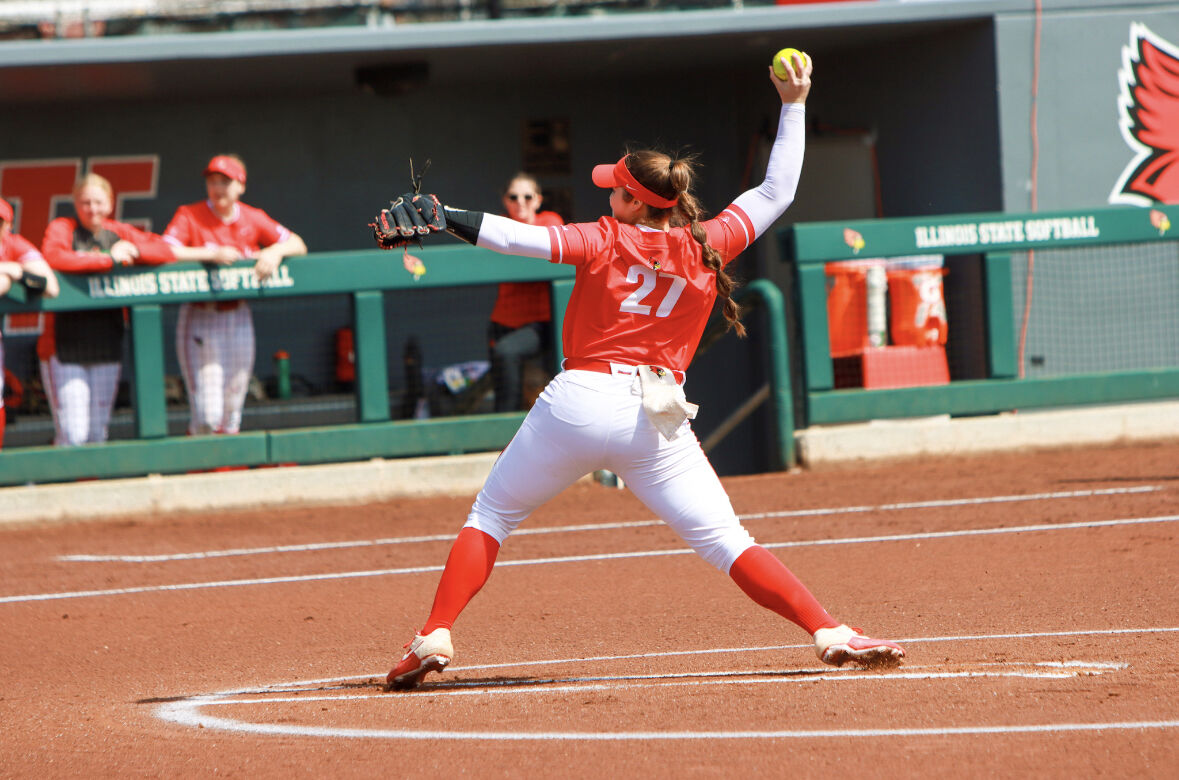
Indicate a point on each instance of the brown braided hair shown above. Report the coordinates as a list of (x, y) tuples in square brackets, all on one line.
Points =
[(671, 177)]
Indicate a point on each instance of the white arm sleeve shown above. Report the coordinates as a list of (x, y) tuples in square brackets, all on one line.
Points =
[(765, 203), (514, 238)]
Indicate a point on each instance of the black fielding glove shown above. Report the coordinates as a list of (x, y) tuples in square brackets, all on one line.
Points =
[(407, 220)]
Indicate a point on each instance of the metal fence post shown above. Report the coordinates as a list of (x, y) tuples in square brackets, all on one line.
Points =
[(147, 348), (372, 369)]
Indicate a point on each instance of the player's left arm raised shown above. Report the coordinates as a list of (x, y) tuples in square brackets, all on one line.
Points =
[(754, 211)]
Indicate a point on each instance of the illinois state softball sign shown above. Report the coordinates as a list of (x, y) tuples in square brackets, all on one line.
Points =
[(1149, 109), (184, 282)]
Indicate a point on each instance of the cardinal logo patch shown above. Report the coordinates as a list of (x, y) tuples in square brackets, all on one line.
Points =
[(1149, 110), (853, 239)]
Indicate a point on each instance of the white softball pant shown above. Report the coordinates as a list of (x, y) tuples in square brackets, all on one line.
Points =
[(81, 397), (585, 421), (216, 354)]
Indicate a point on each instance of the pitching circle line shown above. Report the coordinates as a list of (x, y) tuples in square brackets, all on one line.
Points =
[(188, 712)]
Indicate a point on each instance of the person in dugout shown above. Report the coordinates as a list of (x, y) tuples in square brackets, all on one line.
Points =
[(20, 263), (215, 339), (81, 352), (521, 325)]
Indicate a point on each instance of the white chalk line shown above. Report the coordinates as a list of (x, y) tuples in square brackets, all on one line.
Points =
[(189, 711), (1087, 524), (200, 720), (809, 646), (320, 546), (637, 682), (771, 648), (1066, 669)]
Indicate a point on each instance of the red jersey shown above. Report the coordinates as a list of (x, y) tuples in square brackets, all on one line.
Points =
[(72, 248), (519, 303), (17, 249), (641, 297), (91, 336), (249, 230)]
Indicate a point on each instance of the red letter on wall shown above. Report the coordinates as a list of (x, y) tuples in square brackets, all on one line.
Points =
[(34, 187)]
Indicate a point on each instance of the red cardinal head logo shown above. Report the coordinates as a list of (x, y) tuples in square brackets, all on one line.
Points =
[(1149, 107), (854, 240)]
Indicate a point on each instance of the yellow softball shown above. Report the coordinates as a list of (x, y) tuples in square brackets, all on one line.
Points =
[(780, 69)]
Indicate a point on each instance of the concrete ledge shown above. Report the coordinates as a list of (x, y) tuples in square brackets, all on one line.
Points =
[(943, 435), (335, 483), (382, 480)]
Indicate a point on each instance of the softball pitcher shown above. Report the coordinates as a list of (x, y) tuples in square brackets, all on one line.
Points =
[(215, 340), (647, 278)]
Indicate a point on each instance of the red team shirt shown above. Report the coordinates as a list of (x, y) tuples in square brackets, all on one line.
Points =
[(60, 252), (18, 249), (250, 229), (62, 256), (642, 297), (519, 303)]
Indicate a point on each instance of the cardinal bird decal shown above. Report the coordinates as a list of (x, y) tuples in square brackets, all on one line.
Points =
[(1149, 108)]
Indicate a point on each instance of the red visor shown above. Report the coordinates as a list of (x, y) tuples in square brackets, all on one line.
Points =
[(5, 211), (228, 166), (618, 175)]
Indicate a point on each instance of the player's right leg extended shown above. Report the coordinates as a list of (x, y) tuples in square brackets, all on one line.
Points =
[(547, 455)]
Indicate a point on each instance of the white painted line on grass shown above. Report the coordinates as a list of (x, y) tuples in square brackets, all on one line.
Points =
[(577, 559), (318, 546)]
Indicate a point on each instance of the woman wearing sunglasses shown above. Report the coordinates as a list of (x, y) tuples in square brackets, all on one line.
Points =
[(521, 323)]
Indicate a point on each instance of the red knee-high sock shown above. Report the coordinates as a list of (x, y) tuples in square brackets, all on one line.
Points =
[(467, 568), (766, 580)]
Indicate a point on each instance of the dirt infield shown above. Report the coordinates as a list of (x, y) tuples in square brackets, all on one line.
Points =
[(1037, 596)]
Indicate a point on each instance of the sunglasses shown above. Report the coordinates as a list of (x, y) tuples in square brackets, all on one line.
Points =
[(514, 197)]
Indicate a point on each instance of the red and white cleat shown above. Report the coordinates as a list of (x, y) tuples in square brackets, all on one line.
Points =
[(429, 653), (839, 645)]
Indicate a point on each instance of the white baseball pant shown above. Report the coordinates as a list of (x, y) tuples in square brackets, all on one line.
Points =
[(585, 421), (81, 397), (216, 354)]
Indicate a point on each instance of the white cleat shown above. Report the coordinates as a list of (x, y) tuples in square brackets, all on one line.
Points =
[(839, 645), (429, 653)]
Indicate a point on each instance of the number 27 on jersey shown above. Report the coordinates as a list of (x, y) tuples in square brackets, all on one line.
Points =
[(641, 300)]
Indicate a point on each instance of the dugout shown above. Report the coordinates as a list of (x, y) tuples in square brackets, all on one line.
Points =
[(919, 109)]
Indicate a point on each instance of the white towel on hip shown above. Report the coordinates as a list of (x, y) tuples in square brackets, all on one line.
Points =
[(664, 401)]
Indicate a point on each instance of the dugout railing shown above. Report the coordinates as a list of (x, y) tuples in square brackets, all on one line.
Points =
[(998, 239), (365, 276)]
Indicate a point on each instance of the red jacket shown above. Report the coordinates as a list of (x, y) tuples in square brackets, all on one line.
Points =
[(59, 251)]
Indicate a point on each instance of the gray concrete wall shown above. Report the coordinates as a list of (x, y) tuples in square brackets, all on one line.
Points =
[(1082, 150)]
